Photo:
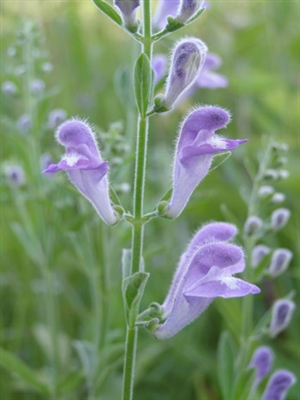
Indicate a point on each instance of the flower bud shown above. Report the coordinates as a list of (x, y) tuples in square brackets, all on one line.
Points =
[(278, 198), (271, 174), (9, 88), (280, 261), (47, 67), (278, 385), (252, 225), (128, 11), (258, 253), (187, 60), (56, 117), (283, 174), (279, 218), (262, 361), (24, 123), (187, 9), (37, 86), (15, 174), (265, 191), (282, 312)]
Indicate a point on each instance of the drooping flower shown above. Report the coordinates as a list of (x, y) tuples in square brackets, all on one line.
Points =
[(84, 166), (282, 312), (196, 146), (279, 262), (128, 11), (205, 271), (278, 385), (262, 361), (187, 60)]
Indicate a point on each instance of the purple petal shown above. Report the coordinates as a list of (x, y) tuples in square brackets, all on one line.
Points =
[(211, 80), (213, 232), (213, 61), (159, 65), (278, 385), (222, 286)]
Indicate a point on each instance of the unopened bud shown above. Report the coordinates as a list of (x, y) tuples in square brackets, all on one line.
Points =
[(282, 312), (258, 253), (280, 261), (15, 175), (128, 11), (265, 191), (278, 198), (283, 174), (24, 123), (56, 117), (279, 218), (187, 60), (37, 86), (271, 174), (252, 225), (9, 88), (187, 9), (278, 385), (262, 361)]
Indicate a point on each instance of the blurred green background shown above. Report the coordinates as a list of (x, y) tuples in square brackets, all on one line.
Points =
[(53, 279)]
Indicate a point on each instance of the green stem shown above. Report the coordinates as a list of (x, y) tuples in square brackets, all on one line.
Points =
[(138, 205)]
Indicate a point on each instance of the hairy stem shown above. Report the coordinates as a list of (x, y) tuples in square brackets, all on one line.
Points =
[(138, 205)]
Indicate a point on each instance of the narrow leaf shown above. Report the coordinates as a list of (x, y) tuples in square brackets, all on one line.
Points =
[(14, 364), (126, 263), (142, 83), (109, 11)]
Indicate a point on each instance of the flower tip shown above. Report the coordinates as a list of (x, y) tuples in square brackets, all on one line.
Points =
[(74, 130)]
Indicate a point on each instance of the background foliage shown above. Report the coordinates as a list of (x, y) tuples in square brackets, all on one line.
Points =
[(53, 248)]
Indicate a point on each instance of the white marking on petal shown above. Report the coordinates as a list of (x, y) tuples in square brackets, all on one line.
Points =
[(230, 282), (72, 159), (217, 141)]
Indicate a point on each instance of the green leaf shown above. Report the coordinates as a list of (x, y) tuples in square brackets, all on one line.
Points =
[(226, 357), (109, 11), (14, 364), (70, 382), (142, 83), (87, 353), (133, 288)]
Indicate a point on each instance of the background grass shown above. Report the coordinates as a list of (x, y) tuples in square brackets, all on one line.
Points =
[(54, 249)]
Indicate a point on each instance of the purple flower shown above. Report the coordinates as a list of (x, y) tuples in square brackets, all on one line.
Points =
[(128, 10), (208, 78), (84, 166), (280, 261), (187, 60), (253, 225), (262, 361), (15, 175), (159, 64), (282, 312), (187, 9), (164, 9), (196, 146), (278, 385), (204, 272)]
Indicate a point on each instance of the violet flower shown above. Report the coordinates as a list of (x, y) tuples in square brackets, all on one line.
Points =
[(196, 146), (282, 312), (262, 361), (84, 166), (208, 78), (205, 271), (278, 385), (128, 11), (187, 9), (164, 9), (187, 60)]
